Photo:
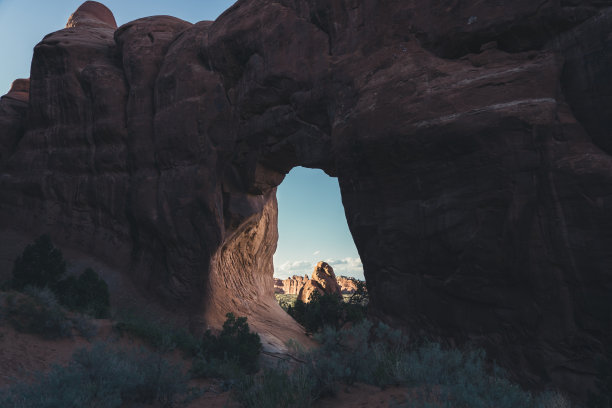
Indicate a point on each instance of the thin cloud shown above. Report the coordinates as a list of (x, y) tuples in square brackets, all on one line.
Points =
[(347, 266), (294, 268), (316, 252), (342, 266)]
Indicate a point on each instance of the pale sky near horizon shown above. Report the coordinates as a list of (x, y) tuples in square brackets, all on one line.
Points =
[(312, 224)]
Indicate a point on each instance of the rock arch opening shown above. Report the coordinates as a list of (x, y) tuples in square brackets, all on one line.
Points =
[(312, 227)]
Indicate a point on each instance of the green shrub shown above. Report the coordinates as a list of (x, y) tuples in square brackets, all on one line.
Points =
[(103, 377), (322, 310), (211, 367), (330, 310), (279, 387), (347, 357), (87, 294), (285, 301), (38, 312), (40, 265), (343, 356), (231, 354), (85, 326), (235, 343), (437, 377)]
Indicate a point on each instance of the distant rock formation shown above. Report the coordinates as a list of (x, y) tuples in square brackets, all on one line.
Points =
[(292, 285), (347, 285), (323, 281)]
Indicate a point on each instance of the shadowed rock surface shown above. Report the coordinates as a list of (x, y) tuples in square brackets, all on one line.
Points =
[(471, 142), (13, 112)]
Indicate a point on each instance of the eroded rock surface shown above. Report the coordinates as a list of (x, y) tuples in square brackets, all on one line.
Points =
[(471, 142)]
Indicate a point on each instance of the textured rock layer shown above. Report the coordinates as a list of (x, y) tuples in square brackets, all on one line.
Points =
[(471, 142)]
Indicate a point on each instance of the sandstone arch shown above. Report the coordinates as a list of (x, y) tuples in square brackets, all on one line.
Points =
[(475, 177)]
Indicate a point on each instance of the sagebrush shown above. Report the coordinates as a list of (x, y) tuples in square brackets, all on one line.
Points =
[(37, 312), (330, 309), (432, 375), (103, 377), (42, 265)]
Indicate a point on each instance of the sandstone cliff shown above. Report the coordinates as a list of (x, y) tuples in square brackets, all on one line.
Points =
[(471, 142), (290, 286)]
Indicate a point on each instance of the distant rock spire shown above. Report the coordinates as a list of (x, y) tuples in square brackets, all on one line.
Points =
[(323, 281)]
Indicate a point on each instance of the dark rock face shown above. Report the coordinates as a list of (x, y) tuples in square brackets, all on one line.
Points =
[(13, 110), (471, 142)]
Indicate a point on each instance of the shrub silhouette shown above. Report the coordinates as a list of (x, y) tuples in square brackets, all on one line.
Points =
[(88, 294), (103, 377), (40, 265), (432, 375), (236, 345), (231, 353), (162, 336), (38, 312), (235, 342)]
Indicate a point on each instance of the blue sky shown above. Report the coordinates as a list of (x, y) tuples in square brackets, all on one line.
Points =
[(312, 224)]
